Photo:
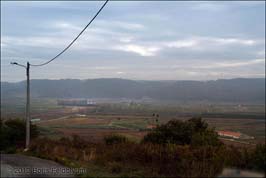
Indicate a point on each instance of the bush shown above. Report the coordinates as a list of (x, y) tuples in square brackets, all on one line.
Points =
[(115, 139), (115, 167), (246, 158), (258, 158), (13, 133), (191, 132), (78, 142), (207, 137), (168, 160)]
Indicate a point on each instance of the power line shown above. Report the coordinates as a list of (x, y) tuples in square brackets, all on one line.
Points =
[(74, 39)]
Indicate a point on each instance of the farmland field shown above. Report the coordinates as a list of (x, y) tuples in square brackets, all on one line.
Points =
[(95, 127), (134, 119)]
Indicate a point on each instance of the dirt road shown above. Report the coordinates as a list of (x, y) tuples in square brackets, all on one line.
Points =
[(14, 165)]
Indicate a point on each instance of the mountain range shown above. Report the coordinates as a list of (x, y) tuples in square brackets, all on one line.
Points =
[(222, 90)]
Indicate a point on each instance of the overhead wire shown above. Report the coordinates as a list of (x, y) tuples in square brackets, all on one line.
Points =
[(73, 41)]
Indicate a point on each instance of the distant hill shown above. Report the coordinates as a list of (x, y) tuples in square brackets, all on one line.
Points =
[(224, 90)]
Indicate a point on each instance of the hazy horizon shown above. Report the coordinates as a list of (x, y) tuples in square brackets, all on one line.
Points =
[(170, 40), (135, 79)]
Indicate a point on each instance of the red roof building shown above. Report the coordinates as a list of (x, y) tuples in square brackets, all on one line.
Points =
[(231, 134)]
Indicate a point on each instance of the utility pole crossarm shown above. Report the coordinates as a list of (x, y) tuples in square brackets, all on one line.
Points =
[(15, 63)]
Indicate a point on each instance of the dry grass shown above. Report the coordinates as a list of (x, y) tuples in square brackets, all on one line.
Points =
[(148, 159)]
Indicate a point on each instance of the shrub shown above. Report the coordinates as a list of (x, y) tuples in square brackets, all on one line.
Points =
[(246, 158), (258, 157), (115, 139), (169, 160), (194, 131), (115, 167), (78, 142), (197, 124), (207, 137), (13, 133)]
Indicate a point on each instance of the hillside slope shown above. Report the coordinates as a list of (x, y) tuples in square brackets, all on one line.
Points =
[(230, 90)]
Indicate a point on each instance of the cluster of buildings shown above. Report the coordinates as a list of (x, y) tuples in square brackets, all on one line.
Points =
[(75, 102)]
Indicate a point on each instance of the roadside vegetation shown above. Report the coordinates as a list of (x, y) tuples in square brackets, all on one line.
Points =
[(176, 149), (194, 132), (13, 134)]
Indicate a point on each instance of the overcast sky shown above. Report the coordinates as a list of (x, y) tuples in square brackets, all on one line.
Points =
[(135, 40)]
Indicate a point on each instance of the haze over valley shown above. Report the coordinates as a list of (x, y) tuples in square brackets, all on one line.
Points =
[(241, 90)]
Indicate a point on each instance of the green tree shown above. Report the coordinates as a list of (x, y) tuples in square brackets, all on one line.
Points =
[(194, 131), (198, 125), (206, 137)]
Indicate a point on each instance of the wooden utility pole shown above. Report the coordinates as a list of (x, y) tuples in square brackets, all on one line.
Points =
[(28, 107), (27, 103)]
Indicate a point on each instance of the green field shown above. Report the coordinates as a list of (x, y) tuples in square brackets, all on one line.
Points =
[(247, 119)]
